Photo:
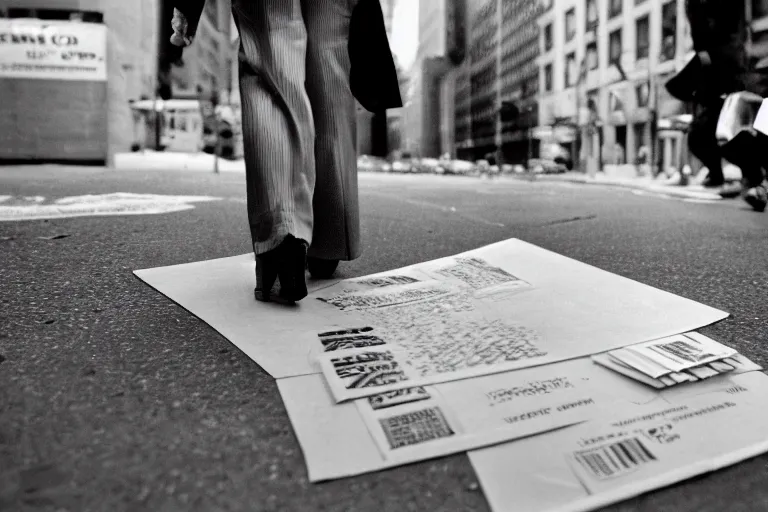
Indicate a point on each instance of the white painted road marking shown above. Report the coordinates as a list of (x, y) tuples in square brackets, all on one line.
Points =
[(119, 203)]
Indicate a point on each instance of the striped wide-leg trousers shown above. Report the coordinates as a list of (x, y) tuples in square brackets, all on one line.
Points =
[(299, 131)]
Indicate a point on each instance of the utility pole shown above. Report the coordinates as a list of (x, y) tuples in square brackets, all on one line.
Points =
[(577, 125), (653, 106), (499, 138), (217, 128)]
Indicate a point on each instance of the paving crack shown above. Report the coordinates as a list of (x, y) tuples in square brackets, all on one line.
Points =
[(570, 219)]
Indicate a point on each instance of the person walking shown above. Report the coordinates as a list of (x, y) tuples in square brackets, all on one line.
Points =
[(719, 33), (302, 64)]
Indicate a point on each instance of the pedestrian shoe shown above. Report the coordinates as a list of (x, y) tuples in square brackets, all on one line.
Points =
[(757, 197), (713, 182), (730, 191), (292, 269), (286, 264), (320, 268)]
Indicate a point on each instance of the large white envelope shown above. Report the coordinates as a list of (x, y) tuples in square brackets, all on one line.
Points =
[(340, 440), (632, 451), (554, 307)]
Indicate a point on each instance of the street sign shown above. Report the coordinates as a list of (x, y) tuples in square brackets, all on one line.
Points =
[(52, 49)]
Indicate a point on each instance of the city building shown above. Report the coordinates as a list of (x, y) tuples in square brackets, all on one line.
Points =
[(68, 71), (519, 78), (483, 79), (421, 116), (602, 69), (208, 63), (501, 69)]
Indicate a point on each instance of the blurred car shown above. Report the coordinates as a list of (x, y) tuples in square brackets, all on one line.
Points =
[(546, 166), (369, 163), (403, 165), (556, 153), (431, 165), (460, 167)]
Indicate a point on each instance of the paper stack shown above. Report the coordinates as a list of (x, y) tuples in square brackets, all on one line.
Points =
[(671, 361), (464, 354)]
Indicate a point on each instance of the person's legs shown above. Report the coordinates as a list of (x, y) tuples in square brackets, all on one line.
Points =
[(336, 233), (702, 141), (278, 133)]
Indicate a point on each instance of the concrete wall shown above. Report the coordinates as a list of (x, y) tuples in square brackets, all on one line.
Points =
[(69, 120)]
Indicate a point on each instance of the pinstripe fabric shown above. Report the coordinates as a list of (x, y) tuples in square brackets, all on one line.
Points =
[(299, 124)]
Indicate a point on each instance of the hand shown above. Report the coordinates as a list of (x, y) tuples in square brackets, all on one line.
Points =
[(180, 26), (705, 59)]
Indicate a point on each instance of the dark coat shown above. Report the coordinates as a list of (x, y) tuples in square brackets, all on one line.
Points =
[(373, 76)]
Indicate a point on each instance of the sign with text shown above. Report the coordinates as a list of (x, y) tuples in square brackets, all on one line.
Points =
[(53, 50)]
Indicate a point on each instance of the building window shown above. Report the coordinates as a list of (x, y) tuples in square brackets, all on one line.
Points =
[(548, 43), (614, 8), (592, 60), (548, 78), (570, 24), (570, 69), (642, 35), (614, 46), (591, 15), (668, 30)]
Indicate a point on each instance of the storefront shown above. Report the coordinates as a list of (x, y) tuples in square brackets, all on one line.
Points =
[(53, 84)]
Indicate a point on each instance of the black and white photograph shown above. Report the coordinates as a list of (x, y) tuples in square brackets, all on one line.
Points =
[(383, 255)]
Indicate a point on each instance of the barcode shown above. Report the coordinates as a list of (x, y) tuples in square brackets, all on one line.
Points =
[(615, 459), (684, 351)]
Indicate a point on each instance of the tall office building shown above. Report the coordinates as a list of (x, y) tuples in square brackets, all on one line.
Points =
[(602, 70), (501, 68), (519, 76), (421, 116)]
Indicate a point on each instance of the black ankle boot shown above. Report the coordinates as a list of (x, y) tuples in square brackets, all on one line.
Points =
[(292, 269), (322, 269), (286, 263)]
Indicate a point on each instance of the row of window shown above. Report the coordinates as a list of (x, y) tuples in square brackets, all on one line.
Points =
[(615, 47), (615, 8), (668, 14)]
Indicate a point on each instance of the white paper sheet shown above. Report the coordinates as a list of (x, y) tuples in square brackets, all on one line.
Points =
[(682, 429), (375, 433), (681, 352), (464, 317), (546, 303)]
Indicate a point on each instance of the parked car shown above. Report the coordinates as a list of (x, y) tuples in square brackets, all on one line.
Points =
[(402, 166), (369, 163), (460, 167), (431, 165), (545, 166)]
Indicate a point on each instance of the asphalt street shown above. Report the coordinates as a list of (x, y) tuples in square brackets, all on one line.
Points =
[(114, 398)]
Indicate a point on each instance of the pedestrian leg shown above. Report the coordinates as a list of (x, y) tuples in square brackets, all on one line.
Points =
[(278, 133), (702, 141), (337, 220)]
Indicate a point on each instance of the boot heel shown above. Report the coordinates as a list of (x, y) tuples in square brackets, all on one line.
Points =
[(293, 264), (266, 275)]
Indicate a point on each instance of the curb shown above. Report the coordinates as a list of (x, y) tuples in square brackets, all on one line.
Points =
[(668, 190)]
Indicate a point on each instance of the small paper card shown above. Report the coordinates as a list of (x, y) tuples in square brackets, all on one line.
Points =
[(681, 352)]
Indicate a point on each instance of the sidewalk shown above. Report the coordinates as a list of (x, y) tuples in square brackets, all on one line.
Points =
[(167, 160), (663, 186)]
